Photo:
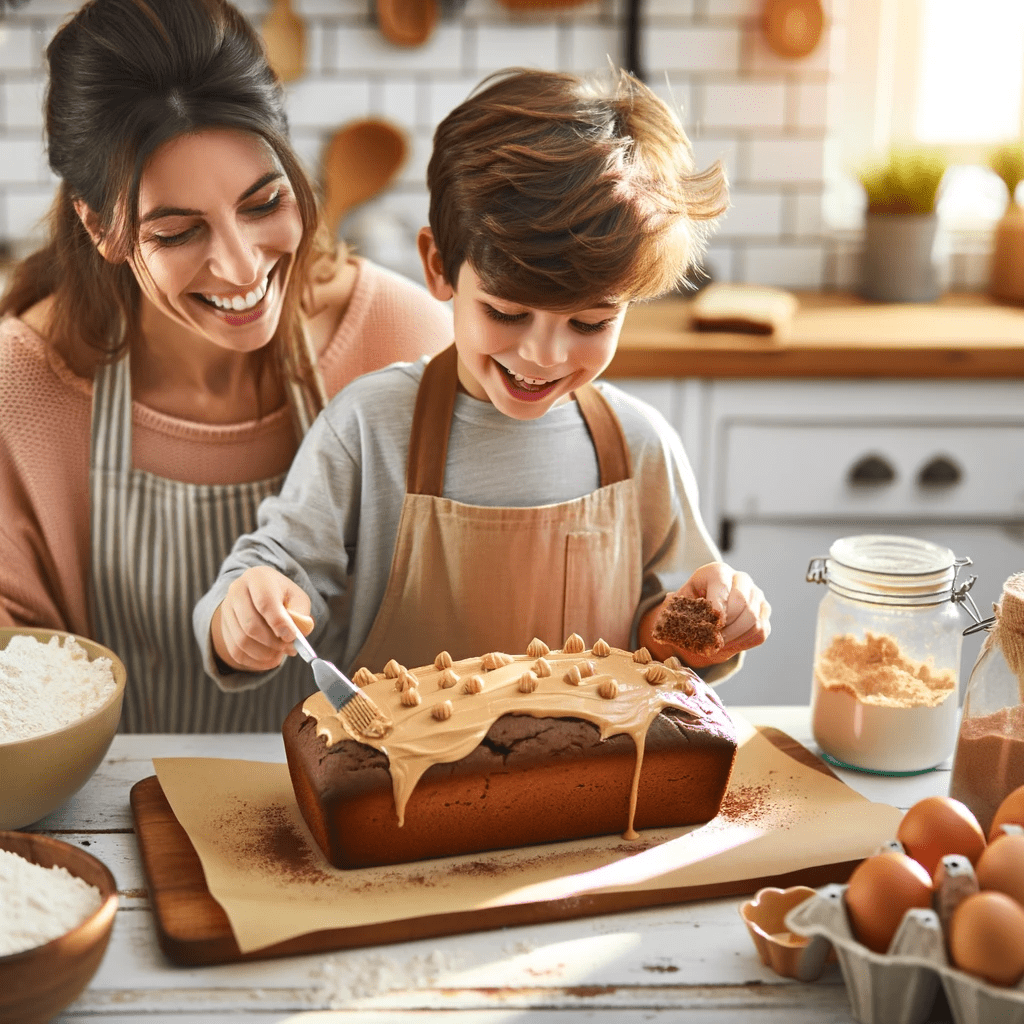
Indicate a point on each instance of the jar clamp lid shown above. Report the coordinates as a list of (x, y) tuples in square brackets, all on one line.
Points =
[(892, 570)]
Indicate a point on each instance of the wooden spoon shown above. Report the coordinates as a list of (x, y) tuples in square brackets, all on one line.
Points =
[(361, 160), (407, 22), (284, 36)]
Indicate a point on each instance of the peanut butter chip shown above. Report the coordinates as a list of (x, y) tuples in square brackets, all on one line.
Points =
[(608, 688), (674, 663), (573, 676), (474, 684), (601, 649), (406, 681), (495, 660), (642, 657), (411, 697), (364, 677), (528, 683), (442, 711), (375, 730), (685, 685), (587, 668), (574, 644), (538, 649), (655, 674), (542, 667), (392, 669), (448, 678), (443, 661)]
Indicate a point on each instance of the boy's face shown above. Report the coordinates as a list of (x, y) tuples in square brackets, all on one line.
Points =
[(521, 359)]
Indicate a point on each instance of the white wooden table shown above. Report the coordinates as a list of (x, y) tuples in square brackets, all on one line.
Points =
[(692, 961)]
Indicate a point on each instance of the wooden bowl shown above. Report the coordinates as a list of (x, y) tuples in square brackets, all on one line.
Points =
[(36, 984), (40, 773)]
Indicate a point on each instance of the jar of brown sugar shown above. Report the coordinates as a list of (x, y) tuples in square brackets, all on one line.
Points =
[(884, 696), (989, 759)]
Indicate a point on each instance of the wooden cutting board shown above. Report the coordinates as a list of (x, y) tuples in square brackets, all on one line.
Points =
[(193, 930)]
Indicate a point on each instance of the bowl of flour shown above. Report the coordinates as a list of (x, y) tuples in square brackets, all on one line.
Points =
[(60, 705), (59, 904)]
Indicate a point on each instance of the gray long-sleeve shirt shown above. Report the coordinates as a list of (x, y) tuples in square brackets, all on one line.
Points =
[(333, 527)]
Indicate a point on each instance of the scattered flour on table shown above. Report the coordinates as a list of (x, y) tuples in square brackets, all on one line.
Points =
[(44, 687), (40, 904), (348, 977)]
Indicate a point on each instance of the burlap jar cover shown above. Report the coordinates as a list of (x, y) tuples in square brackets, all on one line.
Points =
[(1008, 629)]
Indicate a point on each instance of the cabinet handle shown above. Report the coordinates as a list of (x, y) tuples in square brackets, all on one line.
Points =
[(871, 469), (941, 471)]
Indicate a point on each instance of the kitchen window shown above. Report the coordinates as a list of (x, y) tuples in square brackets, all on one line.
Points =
[(940, 73)]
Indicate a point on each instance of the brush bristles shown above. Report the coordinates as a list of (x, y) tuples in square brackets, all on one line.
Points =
[(365, 718)]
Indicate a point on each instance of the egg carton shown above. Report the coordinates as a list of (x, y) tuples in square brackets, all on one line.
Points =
[(900, 986)]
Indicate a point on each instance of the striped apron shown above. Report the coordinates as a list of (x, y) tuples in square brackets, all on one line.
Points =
[(157, 547)]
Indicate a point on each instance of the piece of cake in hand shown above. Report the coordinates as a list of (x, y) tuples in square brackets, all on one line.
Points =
[(504, 751), (690, 624)]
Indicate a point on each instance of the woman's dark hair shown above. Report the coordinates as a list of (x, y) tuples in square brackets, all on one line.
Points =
[(126, 76)]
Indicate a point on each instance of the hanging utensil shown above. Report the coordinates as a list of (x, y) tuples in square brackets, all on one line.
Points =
[(407, 22), (362, 159), (284, 37)]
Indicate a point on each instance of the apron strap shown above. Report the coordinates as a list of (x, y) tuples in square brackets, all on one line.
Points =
[(431, 424), (432, 418), (111, 442), (606, 433)]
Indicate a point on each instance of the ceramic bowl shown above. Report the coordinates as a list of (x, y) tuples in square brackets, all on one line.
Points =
[(39, 774), (785, 952), (36, 984)]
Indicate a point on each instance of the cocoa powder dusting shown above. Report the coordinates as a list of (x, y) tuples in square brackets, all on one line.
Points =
[(267, 840), (746, 805), (876, 671), (989, 761)]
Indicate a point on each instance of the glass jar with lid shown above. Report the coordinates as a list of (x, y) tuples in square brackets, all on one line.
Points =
[(989, 759), (887, 653)]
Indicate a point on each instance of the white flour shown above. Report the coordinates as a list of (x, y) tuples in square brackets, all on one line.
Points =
[(44, 687), (40, 904)]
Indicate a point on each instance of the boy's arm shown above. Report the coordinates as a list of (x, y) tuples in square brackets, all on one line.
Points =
[(676, 543), (305, 534)]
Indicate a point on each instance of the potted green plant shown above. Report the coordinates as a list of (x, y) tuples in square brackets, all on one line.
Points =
[(1006, 279), (900, 226)]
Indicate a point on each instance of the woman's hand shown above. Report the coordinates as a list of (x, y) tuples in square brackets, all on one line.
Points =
[(739, 602), (252, 629)]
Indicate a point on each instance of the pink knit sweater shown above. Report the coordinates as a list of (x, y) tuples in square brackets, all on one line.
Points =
[(45, 413)]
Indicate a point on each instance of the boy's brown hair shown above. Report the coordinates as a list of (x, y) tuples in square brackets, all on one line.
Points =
[(564, 192)]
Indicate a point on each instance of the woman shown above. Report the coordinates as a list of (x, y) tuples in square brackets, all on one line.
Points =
[(167, 348)]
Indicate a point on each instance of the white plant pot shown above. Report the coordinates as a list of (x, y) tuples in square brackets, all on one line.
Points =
[(900, 259)]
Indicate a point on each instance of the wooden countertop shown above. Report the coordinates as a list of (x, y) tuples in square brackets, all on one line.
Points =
[(833, 334)]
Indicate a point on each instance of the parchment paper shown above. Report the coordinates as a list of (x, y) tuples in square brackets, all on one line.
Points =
[(266, 871)]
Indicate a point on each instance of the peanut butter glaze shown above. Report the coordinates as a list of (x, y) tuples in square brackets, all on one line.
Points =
[(426, 733)]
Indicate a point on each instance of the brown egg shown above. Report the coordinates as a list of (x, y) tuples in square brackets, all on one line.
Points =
[(1001, 867), (986, 937), (881, 890), (1011, 810), (939, 825)]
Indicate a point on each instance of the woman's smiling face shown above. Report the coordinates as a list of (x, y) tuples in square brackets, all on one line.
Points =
[(218, 227)]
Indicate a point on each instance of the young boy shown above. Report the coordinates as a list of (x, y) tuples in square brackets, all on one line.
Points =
[(493, 494)]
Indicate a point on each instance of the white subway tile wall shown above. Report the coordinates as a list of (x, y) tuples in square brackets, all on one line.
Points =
[(766, 118)]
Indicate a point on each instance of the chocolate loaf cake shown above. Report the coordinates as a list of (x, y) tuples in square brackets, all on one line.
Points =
[(505, 751)]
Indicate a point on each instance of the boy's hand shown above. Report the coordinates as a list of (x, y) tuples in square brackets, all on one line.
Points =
[(739, 602), (251, 629)]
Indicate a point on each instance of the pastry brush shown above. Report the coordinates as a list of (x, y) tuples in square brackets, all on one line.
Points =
[(359, 712)]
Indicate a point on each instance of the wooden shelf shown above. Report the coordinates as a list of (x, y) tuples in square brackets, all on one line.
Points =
[(832, 335)]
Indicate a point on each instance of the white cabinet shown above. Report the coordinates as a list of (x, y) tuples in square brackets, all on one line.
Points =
[(785, 467)]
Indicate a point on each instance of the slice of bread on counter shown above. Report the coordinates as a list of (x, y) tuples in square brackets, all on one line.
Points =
[(743, 309)]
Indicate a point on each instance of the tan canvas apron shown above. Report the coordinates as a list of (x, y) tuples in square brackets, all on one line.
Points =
[(471, 579), (157, 546)]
